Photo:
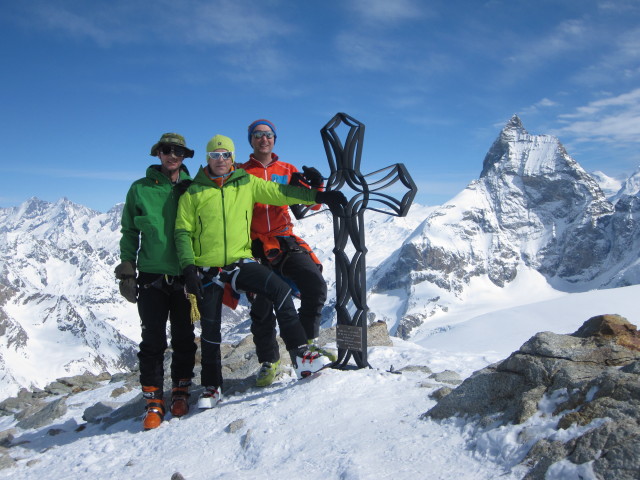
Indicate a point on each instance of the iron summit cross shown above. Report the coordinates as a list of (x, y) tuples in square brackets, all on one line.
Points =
[(351, 280)]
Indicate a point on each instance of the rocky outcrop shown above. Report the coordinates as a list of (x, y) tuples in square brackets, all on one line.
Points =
[(594, 377)]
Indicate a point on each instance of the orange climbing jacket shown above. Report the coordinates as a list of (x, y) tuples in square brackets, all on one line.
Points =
[(272, 224)]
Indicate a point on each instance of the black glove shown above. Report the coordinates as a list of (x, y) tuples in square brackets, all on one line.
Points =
[(192, 282), (126, 273), (333, 199), (312, 177)]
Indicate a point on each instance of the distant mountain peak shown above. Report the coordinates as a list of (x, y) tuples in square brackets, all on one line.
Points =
[(513, 130), (630, 186), (514, 123), (517, 152), (499, 153)]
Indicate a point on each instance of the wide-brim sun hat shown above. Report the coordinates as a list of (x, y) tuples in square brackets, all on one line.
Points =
[(171, 139)]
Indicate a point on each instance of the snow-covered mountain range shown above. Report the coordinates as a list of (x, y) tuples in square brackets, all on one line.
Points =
[(534, 224), (59, 310)]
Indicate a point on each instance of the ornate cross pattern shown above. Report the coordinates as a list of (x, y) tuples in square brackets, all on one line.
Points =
[(351, 281)]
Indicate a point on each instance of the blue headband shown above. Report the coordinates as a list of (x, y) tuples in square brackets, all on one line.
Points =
[(262, 121)]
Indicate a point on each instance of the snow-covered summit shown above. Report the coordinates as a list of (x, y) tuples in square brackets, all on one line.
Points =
[(609, 185), (535, 221), (630, 187)]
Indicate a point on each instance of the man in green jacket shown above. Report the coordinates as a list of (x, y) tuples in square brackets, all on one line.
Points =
[(214, 247), (147, 244)]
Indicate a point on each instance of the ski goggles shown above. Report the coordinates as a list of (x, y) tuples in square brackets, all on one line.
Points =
[(218, 155), (262, 133), (175, 149)]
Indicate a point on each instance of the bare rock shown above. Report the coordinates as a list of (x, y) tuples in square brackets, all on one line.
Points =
[(7, 436), (440, 393), (6, 461), (447, 376), (95, 413), (598, 368), (44, 416), (611, 328), (417, 368), (236, 425), (378, 335)]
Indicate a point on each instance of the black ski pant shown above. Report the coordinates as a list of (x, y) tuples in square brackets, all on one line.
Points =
[(252, 277), (158, 302), (300, 268)]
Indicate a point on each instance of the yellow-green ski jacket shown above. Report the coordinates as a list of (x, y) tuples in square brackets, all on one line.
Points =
[(213, 225)]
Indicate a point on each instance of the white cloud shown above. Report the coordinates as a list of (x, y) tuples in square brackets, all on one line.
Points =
[(103, 30), (536, 107), (545, 102), (229, 32), (612, 119), (366, 43), (364, 52), (621, 62), (242, 24), (618, 6), (216, 22), (570, 35), (380, 11)]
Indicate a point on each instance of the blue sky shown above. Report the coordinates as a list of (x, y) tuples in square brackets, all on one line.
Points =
[(88, 87)]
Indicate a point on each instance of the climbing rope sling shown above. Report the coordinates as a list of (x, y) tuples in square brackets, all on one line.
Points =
[(225, 278)]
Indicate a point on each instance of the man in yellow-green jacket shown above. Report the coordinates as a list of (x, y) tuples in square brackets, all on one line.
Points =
[(213, 242)]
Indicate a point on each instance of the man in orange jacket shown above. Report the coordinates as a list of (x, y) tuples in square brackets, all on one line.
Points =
[(275, 244)]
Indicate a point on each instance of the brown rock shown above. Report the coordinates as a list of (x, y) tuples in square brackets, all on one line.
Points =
[(613, 328), (378, 335)]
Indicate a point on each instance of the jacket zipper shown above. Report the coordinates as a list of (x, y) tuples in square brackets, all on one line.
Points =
[(247, 223), (224, 228), (266, 177), (200, 236)]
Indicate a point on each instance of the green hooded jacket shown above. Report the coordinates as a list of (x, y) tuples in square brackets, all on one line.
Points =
[(213, 226), (148, 222)]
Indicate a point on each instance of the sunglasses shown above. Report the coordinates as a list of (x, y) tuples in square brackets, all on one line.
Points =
[(218, 155), (262, 133), (176, 150)]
